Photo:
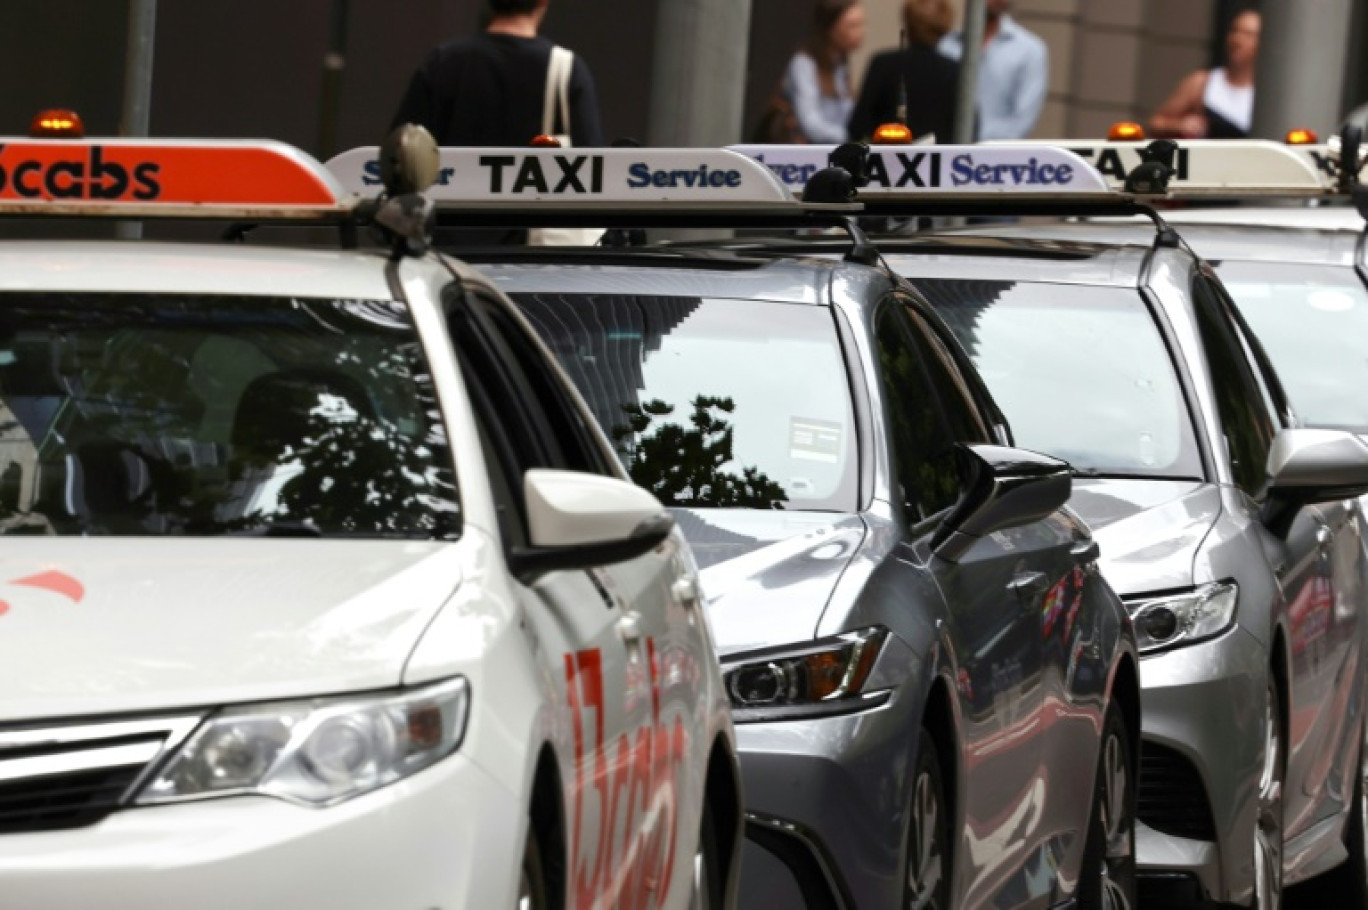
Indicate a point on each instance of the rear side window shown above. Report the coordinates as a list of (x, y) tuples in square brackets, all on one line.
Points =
[(1245, 418)]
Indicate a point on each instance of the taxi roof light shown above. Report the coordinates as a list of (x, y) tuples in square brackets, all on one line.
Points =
[(1126, 131), (57, 123), (1302, 137), (892, 134), (545, 142)]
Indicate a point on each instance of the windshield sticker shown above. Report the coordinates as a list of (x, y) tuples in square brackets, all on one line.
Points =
[(814, 440)]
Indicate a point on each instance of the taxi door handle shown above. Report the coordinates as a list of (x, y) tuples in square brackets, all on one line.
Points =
[(629, 627), (1085, 551), (1029, 585), (1325, 543), (685, 590)]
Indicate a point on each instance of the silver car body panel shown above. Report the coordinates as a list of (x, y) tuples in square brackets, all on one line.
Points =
[(1216, 534)]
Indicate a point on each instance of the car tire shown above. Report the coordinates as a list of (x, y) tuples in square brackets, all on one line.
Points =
[(707, 868), (1348, 882), (532, 890), (926, 884), (1107, 880), (1268, 829)]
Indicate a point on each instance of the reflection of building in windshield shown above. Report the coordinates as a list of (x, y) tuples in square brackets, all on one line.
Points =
[(603, 347), (962, 303)]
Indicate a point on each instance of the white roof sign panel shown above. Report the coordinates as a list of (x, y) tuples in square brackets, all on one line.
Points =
[(484, 178), (1214, 167), (960, 171)]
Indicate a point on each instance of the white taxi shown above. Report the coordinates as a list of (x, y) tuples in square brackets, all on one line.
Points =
[(320, 587)]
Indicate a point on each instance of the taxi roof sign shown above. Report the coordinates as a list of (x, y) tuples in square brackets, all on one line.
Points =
[(946, 172), (1209, 168), (578, 180), (151, 178)]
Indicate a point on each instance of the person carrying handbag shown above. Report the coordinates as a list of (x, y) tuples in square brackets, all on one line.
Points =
[(495, 88)]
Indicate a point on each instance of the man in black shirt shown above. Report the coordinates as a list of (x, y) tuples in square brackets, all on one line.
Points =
[(490, 90)]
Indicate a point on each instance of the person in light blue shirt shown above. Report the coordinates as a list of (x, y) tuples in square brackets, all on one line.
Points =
[(1014, 74), (817, 83)]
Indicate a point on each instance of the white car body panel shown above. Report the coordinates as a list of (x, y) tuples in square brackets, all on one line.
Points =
[(611, 671)]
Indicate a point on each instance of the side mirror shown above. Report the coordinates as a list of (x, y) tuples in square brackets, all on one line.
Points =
[(1309, 466), (1001, 488), (578, 521)]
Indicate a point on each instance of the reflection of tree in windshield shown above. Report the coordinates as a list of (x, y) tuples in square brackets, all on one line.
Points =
[(359, 474), (151, 415), (682, 466)]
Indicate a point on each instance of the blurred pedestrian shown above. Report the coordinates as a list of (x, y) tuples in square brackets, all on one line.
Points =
[(817, 84), (1216, 103), (492, 89), (918, 76), (1013, 77)]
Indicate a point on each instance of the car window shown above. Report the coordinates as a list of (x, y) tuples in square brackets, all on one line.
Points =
[(923, 448), (956, 399), (563, 419), (1241, 405), (1080, 372), (166, 414), (1312, 321), (712, 402)]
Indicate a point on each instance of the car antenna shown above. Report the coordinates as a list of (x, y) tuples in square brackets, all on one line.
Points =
[(901, 115)]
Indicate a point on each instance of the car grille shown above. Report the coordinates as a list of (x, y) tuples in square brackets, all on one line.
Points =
[(75, 775), (1172, 799)]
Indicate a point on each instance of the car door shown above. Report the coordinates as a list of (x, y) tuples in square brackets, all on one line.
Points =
[(1052, 587), (1325, 551), (634, 787), (994, 632)]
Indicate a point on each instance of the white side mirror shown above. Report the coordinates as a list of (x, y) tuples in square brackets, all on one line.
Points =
[(577, 521)]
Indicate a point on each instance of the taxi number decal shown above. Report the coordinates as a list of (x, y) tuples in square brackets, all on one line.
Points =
[(56, 582), (626, 870)]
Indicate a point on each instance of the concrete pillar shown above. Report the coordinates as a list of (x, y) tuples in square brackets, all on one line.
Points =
[(698, 79), (1303, 59)]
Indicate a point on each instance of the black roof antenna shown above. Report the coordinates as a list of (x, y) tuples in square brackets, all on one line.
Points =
[(902, 83)]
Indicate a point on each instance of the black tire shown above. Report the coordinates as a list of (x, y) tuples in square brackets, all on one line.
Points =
[(1107, 880), (926, 876), (1348, 882), (532, 891), (707, 867)]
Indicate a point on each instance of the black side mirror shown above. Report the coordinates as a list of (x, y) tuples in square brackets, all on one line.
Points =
[(1001, 488)]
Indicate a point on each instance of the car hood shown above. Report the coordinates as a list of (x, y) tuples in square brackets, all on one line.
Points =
[(1148, 530), (767, 576), (98, 625)]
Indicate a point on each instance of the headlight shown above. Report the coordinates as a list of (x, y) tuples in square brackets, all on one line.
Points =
[(1181, 619), (316, 752), (821, 677)]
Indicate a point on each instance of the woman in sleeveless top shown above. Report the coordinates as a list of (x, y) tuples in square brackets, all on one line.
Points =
[(1216, 103)]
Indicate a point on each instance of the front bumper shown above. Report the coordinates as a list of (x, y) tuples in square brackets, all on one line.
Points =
[(827, 799), (1202, 730), (447, 838)]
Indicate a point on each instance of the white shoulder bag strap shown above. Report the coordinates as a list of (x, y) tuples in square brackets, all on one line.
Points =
[(557, 98)]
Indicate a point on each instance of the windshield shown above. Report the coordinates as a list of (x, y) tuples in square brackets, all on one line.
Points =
[(1081, 373), (164, 414), (1313, 322), (712, 403)]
